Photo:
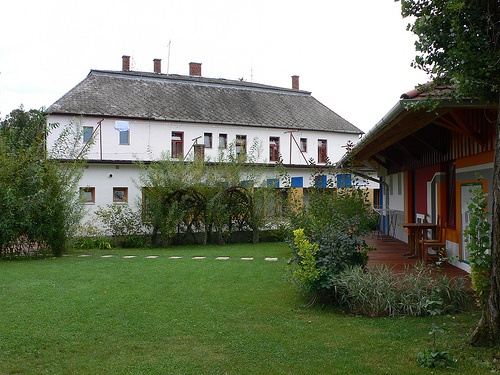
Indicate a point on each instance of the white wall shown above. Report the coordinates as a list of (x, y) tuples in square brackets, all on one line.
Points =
[(396, 184), (155, 137), (104, 177), (110, 164)]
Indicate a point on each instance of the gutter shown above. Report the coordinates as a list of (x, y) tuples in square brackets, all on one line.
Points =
[(394, 112), (207, 122)]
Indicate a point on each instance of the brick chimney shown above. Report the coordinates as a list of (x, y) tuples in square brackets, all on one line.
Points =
[(295, 82), (126, 63), (157, 65), (195, 69)]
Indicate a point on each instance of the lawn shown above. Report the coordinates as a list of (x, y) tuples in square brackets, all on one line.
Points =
[(140, 315)]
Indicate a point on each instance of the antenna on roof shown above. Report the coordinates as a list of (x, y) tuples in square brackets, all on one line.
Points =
[(168, 59), (133, 65)]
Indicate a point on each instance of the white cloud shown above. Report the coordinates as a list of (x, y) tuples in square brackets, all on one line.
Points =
[(354, 56)]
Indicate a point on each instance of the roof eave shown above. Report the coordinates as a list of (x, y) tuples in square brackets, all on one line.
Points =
[(396, 111), (400, 110)]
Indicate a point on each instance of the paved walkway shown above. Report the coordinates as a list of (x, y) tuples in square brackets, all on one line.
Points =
[(269, 259)]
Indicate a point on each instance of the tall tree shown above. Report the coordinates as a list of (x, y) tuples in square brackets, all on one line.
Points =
[(458, 44)]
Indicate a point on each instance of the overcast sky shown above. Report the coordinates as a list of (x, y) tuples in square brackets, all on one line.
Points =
[(354, 56)]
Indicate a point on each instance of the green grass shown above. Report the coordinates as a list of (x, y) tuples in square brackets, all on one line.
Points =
[(94, 315)]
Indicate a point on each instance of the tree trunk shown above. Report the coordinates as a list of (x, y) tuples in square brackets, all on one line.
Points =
[(487, 332), (208, 229), (154, 235), (255, 236), (255, 226)]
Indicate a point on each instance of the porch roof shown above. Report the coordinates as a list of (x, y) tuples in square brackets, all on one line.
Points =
[(401, 139)]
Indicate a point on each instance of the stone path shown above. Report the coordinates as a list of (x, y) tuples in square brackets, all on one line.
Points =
[(268, 259)]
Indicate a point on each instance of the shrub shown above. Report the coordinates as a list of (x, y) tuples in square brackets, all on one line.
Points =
[(431, 358), (336, 221), (89, 236), (381, 292), (124, 224), (306, 273), (92, 243), (367, 293)]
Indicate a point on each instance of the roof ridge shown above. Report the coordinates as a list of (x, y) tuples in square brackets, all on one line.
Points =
[(427, 89), (178, 78)]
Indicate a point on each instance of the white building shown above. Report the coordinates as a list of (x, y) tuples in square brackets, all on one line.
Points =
[(140, 115)]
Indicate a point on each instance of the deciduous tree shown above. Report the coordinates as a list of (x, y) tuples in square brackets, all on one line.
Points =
[(219, 196), (458, 44), (38, 197)]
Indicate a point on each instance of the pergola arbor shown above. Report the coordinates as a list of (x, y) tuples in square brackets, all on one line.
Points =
[(185, 198)]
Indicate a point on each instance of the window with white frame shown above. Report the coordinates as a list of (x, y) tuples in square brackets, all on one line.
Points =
[(123, 128), (87, 133), (207, 140), (125, 137), (222, 140)]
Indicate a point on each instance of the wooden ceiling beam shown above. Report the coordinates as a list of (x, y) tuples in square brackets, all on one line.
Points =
[(380, 162), (430, 144), (457, 124), (406, 151), (393, 159)]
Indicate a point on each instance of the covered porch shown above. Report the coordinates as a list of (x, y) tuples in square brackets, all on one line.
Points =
[(428, 162), (390, 252)]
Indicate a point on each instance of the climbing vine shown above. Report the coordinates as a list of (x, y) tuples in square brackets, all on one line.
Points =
[(478, 244)]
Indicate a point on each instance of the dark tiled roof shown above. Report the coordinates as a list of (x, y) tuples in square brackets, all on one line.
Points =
[(197, 99)]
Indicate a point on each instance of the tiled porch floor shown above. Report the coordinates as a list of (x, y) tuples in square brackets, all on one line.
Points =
[(391, 253)]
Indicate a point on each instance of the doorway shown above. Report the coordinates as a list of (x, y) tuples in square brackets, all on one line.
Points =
[(466, 192)]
